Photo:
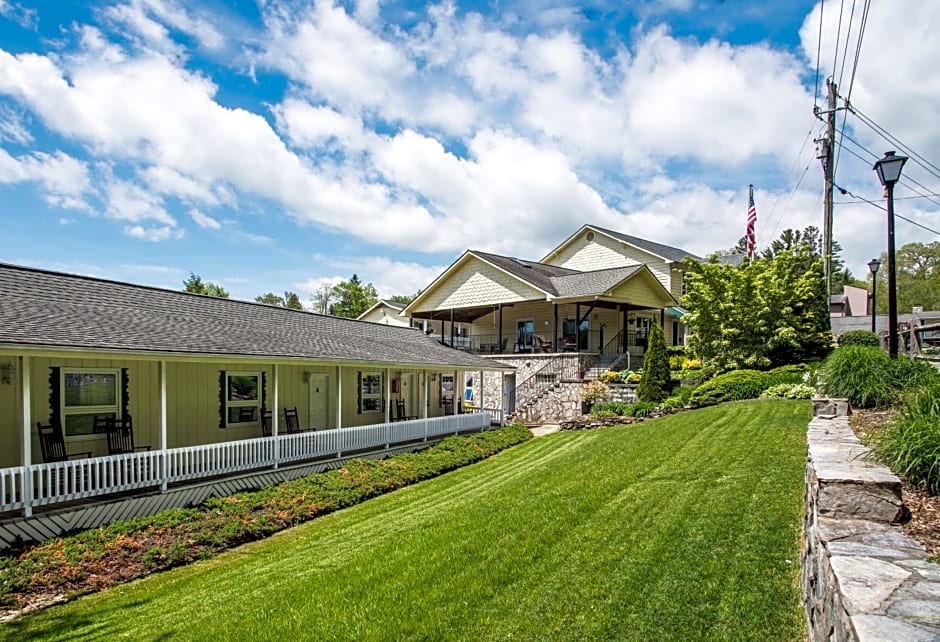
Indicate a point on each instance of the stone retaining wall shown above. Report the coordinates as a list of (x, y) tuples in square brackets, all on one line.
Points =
[(862, 578)]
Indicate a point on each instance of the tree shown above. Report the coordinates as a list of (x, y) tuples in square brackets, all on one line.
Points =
[(655, 380), (767, 312), (352, 298), (289, 300), (322, 298), (196, 285), (404, 299), (917, 271)]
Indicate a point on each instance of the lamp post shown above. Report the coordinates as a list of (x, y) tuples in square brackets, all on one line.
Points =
[(873, 266), (889, 172)]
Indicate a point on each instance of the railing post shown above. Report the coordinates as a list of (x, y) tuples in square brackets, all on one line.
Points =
[(26, 451)]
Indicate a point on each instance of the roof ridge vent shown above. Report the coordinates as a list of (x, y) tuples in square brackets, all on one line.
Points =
[(522, 263)]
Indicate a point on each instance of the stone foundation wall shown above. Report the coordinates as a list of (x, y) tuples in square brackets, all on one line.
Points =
[(623, 392), (863, 580)]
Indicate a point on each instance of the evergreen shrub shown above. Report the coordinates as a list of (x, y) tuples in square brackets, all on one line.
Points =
[(860, 338), (731, 386), (655, 382)]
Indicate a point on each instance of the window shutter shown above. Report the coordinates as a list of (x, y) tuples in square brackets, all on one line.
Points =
[(222, 399), (359, 393), (55, 398), (125, 397), (264, 384)]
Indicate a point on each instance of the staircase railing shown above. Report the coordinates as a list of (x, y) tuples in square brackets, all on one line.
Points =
[(561, 367)]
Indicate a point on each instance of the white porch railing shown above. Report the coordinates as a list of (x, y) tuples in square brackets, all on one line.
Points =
[(83, 478)]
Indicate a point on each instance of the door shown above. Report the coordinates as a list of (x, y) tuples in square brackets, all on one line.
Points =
[(410, 394), (318, 414), (525, 334)]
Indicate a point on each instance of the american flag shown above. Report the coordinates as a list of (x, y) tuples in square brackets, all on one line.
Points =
[(751, 221)]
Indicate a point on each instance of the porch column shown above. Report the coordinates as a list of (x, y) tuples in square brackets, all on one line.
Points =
[(339, 396), (26, 441), (662, 319), (165, 465), (426, 401), (458, 399), (442, 333), (451, 327), (577, 327), (623, 324), (388, 395), (276, 397), (500, 342), (555, 329)]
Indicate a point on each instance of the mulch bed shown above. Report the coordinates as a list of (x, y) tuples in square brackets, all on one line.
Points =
[(924, 524)]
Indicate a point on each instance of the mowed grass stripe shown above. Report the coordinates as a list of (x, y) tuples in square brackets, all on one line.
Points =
[(684, 527)]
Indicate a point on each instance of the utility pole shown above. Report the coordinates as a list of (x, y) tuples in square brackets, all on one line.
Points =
[(829, 172), (825, 152)]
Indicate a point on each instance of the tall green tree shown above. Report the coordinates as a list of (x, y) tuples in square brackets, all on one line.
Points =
[(352, 298), (767, 312), (196, 285), (655, 379), (917, 270), (289, 300)]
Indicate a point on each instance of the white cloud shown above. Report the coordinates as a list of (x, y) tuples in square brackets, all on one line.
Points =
[(307, 126), (167, 180), (148, 22), (131, 202), (26, 18), (13, 127), (204, 221), (153, 233), (64, 179), (336, 57)]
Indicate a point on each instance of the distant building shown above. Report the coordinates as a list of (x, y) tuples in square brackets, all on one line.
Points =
[(853, 302), (387, 313)]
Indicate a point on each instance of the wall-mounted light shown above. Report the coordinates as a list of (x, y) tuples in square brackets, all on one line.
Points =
[(6, 373), (306, 377)]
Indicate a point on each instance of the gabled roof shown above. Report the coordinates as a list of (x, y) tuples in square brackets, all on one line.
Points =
[(665, 252), (398, 307), (51, 310), (539, 275), (595, 283)]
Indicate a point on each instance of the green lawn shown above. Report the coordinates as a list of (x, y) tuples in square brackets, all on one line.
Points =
[(683, 528)]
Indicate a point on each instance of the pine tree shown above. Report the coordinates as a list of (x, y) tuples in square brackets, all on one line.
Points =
[(655, 380)]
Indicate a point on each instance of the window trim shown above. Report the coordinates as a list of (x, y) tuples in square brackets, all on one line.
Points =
[(377, 396), (64, 408), (249, 403)]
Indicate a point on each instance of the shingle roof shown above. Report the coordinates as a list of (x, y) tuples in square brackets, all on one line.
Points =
[(665, 251), (596, 282), (559, 281), (50, 309), (538, 274)]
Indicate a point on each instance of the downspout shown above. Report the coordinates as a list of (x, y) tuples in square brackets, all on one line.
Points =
[(555, 328), (165, 473), (274, 415)]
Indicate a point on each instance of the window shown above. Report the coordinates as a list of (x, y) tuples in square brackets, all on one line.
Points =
[(242, 398), (447, 389), (86, 393), (370, 392)]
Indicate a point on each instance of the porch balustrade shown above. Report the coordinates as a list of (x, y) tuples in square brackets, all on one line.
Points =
[(78, 479)]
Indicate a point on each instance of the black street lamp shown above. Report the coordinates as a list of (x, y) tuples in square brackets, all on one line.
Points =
[(889, 172), (873, 266)]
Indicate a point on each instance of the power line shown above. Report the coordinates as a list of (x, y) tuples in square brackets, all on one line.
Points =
[(858, 48), (790, 173), (881, 131), (835, 54), (905, 181), (818, 51), (846, 192), (848, 36)]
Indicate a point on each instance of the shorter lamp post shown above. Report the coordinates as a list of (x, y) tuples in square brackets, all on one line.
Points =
[(873, 266), (889, 172)]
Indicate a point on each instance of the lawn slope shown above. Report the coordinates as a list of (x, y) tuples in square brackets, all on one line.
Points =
[(683, 528)]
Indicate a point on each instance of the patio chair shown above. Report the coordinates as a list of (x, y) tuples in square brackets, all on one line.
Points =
[(292, 421), (267, 417), (400, 414), (121, 437), (52, 444)]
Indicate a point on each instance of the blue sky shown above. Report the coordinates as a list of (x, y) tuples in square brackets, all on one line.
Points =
[(273, 145)]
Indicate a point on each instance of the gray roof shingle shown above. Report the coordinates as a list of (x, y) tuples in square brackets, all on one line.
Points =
[(597, 282), (540, 275), (51, 309), (665, 251)]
